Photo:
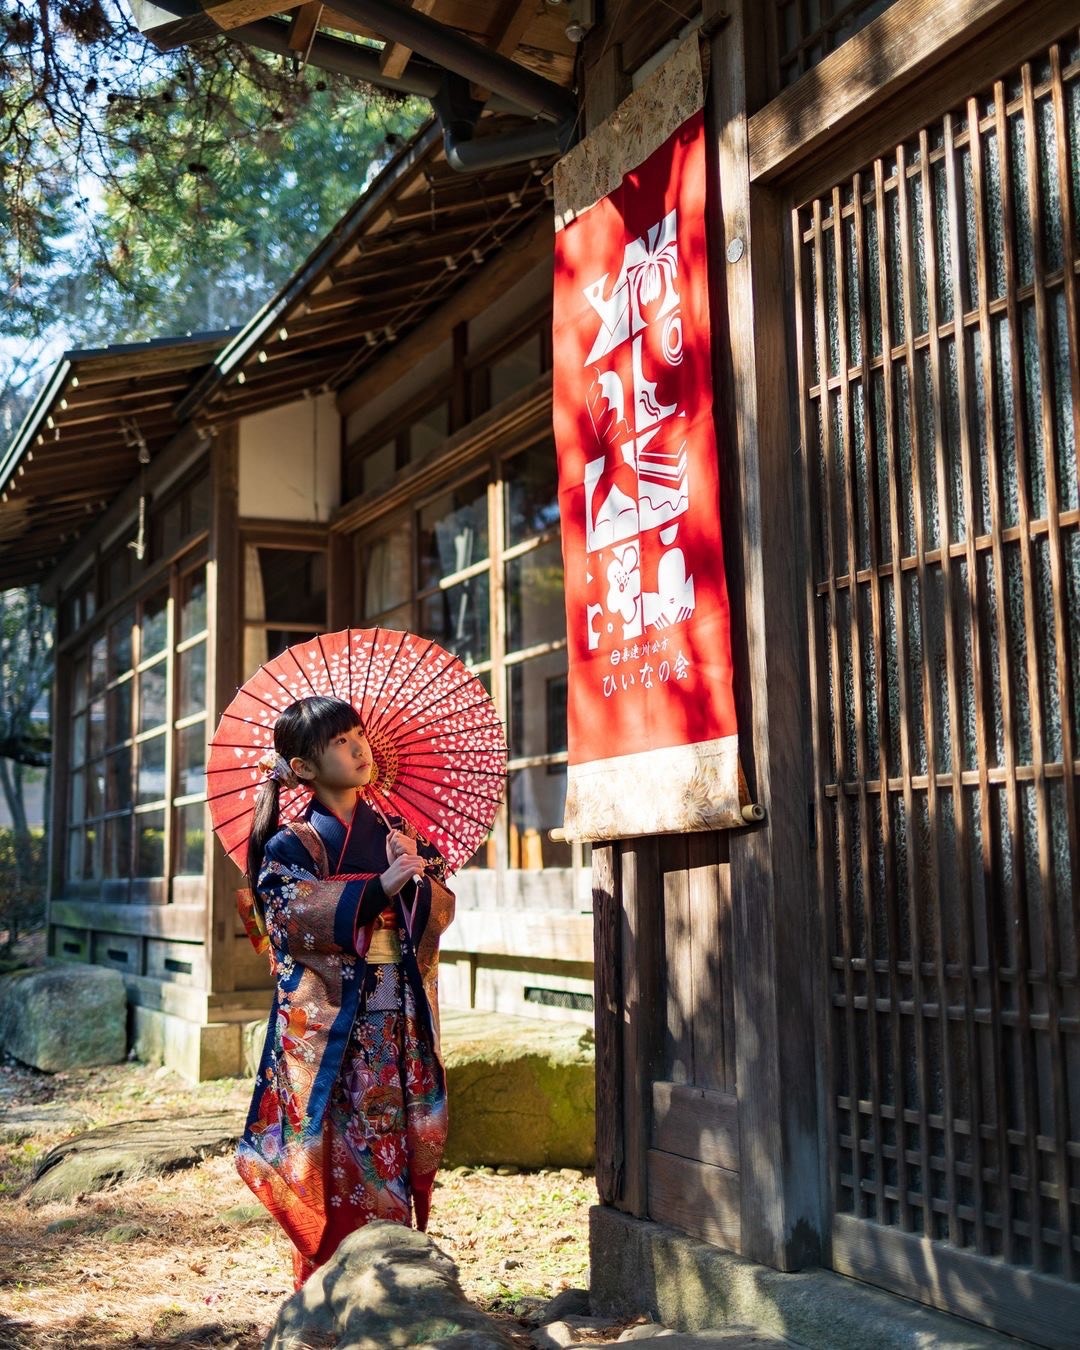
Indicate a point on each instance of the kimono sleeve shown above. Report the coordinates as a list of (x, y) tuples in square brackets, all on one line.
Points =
[(305, 913)]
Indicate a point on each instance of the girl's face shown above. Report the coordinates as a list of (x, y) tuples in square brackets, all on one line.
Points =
[(345, 763)]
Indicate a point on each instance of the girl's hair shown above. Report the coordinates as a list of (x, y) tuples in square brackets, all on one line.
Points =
[(303, 731)]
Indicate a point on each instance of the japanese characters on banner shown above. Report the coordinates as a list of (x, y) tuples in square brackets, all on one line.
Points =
[(651, 721)]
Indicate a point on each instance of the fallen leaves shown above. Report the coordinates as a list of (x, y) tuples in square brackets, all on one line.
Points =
[(200, 1266)]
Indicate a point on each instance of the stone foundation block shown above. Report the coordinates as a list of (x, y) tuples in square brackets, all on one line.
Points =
[(522, 1093)]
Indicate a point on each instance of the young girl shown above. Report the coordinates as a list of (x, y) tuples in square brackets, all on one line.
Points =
[(348, 1119)]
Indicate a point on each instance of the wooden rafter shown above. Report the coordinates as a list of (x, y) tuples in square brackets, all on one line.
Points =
[(514, 18), (303, 26), (395, 56)]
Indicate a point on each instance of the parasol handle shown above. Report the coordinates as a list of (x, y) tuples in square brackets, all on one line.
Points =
[(410, 913)]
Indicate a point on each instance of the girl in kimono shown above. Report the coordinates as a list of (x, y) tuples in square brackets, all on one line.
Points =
[(348, 1119)]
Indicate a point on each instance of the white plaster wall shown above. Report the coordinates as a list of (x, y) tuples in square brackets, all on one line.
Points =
[(290, 461)]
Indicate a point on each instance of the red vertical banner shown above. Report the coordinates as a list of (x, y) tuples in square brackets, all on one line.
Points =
[(651, 720)]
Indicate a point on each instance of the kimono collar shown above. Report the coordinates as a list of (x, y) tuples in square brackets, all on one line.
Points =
[(332, 829)]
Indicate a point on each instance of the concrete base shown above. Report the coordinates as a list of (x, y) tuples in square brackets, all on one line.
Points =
[(644, 1267), (214, 1050)]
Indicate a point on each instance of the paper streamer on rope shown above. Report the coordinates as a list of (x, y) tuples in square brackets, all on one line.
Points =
[(651, 719)]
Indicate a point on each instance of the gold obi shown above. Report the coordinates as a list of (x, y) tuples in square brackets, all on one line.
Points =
[(385, 948)]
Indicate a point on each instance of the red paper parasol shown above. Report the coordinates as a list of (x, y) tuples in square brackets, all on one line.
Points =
[(438, 745)]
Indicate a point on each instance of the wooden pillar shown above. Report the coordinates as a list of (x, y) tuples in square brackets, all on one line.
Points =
[(774, 913), (223, 573), (617, 1040), (607, 964), (341, 600)]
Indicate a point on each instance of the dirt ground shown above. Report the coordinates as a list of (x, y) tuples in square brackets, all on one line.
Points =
[(188, 1259)]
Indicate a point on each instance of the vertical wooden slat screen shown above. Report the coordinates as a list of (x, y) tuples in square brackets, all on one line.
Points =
[(801, 33), (938, 344)]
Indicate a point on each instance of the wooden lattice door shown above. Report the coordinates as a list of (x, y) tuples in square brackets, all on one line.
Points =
[(939, 387)]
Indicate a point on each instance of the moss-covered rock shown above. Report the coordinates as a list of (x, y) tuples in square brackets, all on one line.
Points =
[(385, 1286), (522, 1091), (64, 1016)]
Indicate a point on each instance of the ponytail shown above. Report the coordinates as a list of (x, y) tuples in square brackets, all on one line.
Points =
[(264, 826)]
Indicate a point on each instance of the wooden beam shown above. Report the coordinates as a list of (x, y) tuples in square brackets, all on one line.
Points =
[(873, 67), (773, 920), (1015, 1300), (510, 25), (514, 17), (303, 26), (181, 923), (395, 55), (517, 256)]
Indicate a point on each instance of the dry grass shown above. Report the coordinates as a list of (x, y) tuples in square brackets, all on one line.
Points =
[(187, 1260)]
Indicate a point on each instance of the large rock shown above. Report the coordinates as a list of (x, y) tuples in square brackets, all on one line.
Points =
[(128, 1150), (386, 1286), (522, 1091), (64, 1016)]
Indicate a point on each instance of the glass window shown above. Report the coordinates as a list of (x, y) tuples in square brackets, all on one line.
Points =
[(120, 644), (536, 799), (150, 844), (379, 467), (413, 567), (97, 726), (77, 792), (387, 571), (75, 855), (78, 738), (191, 838), (453, 532), (98, 665), (118, 793), (516, 368), (92, 854), (79, 691), (458, 619), (427, 433), (192, 663), (153, 686), (536, 698), (117, 858), (193, 605), (118, 786), (191, 760), (535, 598), (152, 770), (155, 625), (118, 704), (285, 584), (167, 529), (95, 789), (532, 492)]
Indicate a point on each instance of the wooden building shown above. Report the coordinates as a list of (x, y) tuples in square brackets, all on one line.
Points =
[(849, 1035)]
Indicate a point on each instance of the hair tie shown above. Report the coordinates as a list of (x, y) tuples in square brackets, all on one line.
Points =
[(275, 766)]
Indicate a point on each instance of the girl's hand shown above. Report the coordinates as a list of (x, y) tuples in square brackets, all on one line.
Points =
[(398, 844), (403, 869)]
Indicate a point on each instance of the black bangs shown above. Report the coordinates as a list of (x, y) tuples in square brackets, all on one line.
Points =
[(306, 727)]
